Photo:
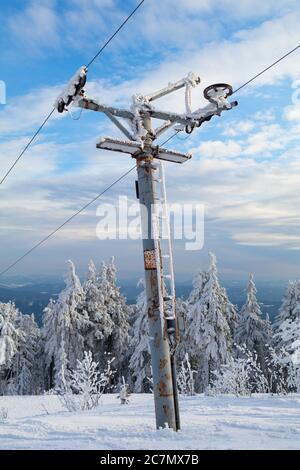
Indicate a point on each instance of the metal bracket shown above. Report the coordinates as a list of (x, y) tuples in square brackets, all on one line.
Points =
[(136, 150), (119, 125)]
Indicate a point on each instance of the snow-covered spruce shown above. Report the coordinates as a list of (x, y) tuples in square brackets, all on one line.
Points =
[(140, 360), (116, 345), (20, 367), (186, 378), (93, 317), (27, 362), (181, 306), (101, 323), (287, 356), (65, 323), (290, 308), (9, 332), (252, 331), (9, 337), (210, 320), (242, 375)]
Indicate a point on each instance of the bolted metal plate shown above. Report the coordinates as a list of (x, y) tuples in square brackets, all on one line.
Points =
[(135, 149), (172, 156), (124, 146), (149, 259)]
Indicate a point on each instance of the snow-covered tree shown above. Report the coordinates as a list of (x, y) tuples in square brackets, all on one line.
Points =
[(118, 342), (242, 375), (85, 384), (181, 349), (65, 324), (62, 372), (181, 307), (9, 337), (186, 377), (284, 376), (289, 310), (51, 333), (285, 361), (54, 331), (208, 338), (85, 380), (26, 363), (230, 311), (101, 324), (9, 332), (269, 328), (193, 312), (140, 360), (288, 336), (289, 333), (252, 331), (20, 352), (124, 393)]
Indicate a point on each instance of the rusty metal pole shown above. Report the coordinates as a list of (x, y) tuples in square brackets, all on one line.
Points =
[(158, 337), (159, 345)]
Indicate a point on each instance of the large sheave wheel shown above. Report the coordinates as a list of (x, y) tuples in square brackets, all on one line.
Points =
[(210, 91)]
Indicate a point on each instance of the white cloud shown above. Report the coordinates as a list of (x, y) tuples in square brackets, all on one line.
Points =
[(36, 27), (292, 113), (200, 21), (265, 116), (266, 239), (24, 112), (264, 142), (219, 149), (238, 127), (40, 160)]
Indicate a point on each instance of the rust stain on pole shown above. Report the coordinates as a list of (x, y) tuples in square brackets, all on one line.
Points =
[(163, 363), (151, 313), (166, 410), (157, 340), (164, 390), (149, 259)]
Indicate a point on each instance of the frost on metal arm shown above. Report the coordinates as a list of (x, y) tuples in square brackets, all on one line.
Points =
[(139, 103), (191, 81)]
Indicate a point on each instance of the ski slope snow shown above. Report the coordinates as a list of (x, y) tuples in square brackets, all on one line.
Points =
[(225, 422)]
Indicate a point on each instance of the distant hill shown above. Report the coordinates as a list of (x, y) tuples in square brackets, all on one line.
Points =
[(33, 296)]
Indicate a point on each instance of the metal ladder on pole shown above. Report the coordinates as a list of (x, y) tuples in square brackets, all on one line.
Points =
[(166, 254), (167, 280)]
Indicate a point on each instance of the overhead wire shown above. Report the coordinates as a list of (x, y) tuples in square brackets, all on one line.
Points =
[(115, 33), (27, 146), (266, 69), (50, 114)]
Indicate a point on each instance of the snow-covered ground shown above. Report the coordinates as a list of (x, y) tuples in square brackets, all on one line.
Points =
[(259, 422)]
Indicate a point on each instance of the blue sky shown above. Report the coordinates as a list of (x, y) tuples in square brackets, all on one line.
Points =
[(245, 166)]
